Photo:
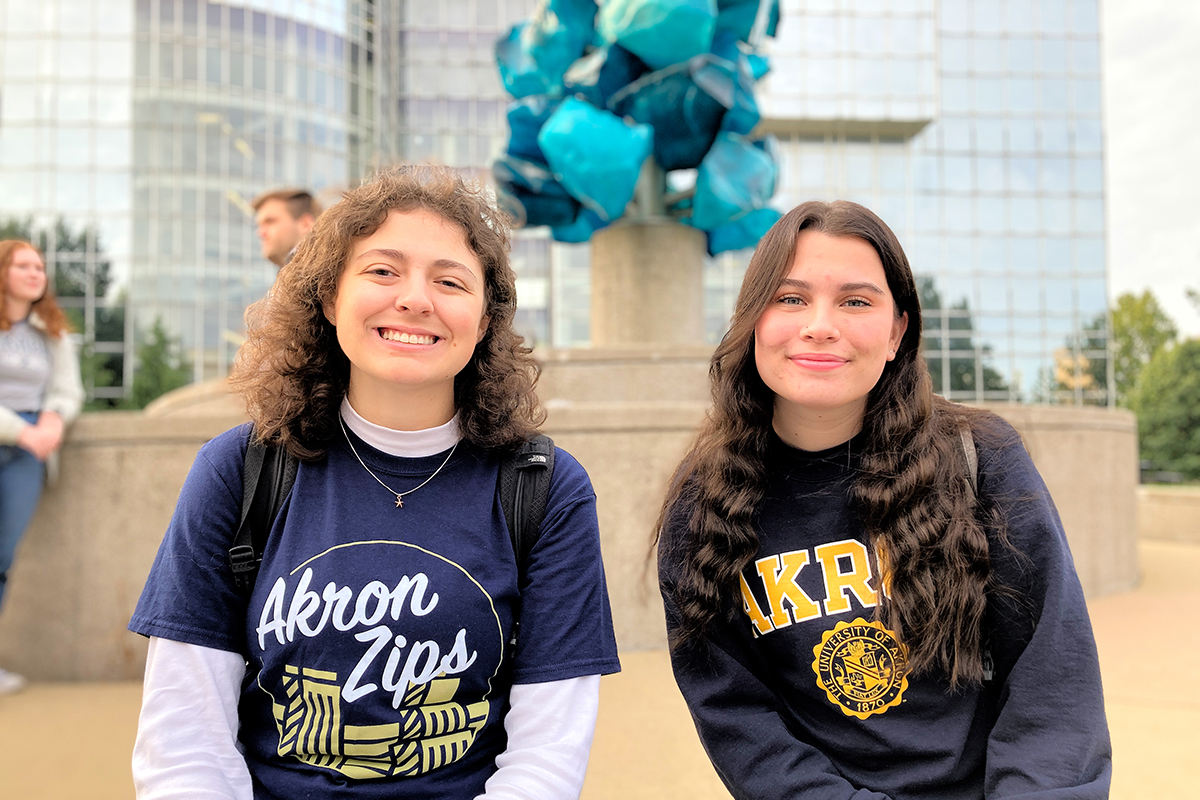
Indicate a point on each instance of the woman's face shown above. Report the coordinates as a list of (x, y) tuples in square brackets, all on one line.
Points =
[(829, 330), (25, 281), (409, 308)]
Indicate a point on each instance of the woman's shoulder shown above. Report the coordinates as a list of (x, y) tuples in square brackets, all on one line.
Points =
[(570, 479), (989, 431), (996, 438), (1004, 464), (566, 466), (227, 451), (36, 322)]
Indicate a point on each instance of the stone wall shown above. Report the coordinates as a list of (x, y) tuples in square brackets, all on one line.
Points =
[(82, 564), (1169, 513), (87, 554)]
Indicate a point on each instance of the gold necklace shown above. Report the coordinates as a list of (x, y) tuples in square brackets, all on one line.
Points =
[(399, 495)]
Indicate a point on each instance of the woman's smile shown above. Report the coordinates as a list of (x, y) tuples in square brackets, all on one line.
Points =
[(404, 337), (820, 362)]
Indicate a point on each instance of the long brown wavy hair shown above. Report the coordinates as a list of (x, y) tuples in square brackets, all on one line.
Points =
[(292, 371), (912, 495), (47, 310)]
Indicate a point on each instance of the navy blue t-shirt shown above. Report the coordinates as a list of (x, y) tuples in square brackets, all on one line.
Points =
[(375, 635)]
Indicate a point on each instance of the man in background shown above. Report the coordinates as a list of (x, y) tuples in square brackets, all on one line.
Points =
[(283, 217)]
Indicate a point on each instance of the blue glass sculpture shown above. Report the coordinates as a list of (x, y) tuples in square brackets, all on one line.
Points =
[(536, 52), (607, 95), (595, 155)]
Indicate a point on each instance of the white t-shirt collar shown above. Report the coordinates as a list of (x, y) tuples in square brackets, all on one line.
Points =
[(406, 444)]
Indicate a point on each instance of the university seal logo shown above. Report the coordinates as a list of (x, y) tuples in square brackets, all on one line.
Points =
[(861, 667)]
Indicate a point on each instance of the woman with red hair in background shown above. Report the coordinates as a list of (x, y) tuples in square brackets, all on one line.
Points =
[(40, 393)]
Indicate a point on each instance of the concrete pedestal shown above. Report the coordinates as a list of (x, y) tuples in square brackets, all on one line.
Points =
[(647, 285)]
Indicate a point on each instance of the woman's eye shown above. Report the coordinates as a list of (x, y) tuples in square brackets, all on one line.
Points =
[(790, 300), (858, 302), (453, 284)]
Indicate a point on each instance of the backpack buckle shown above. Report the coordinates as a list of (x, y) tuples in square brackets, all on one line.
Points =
[(243, 563)]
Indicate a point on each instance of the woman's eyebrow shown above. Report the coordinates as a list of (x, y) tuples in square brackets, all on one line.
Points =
[(398, 255), (861, 286), (854, 286)]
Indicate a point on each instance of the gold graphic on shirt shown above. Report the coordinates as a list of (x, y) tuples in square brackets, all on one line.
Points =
[(862, 668), (431, 729)]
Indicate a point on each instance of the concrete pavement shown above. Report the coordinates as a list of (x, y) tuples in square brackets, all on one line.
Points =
[(73, 740)]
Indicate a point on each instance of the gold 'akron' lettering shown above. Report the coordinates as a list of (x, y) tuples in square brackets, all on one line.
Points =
[(788, 603), (778, 575)]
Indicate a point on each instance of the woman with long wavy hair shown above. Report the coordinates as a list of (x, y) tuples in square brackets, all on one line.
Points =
[(375, 654), (40, 393), (868, 590)]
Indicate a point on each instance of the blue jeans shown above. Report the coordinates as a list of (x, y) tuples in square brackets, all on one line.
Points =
[(21, 478)]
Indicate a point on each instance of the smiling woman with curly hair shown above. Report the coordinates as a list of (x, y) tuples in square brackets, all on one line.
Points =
[(376, 655)]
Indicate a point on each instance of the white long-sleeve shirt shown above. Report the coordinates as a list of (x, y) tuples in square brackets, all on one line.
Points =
[(186, 744)]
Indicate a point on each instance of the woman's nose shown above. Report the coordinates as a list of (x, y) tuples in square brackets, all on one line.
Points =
[(413, 295), (820, 324)]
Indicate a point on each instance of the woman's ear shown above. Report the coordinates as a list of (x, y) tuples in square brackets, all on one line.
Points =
[(899, 326), (483, 328)]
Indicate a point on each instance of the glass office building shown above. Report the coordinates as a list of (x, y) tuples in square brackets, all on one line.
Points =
[(972, 127), (137, 133)]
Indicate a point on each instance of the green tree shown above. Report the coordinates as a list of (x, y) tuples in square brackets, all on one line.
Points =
[(1140, 329), (160, 367), (70, 251), (960, 328), (1077, 371), (1165, 402)]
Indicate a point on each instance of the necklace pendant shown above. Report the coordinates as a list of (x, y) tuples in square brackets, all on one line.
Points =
[(399, 502)]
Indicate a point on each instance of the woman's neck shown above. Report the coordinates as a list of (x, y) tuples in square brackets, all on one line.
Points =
[(401, 408), (814, 430), (16, 310)]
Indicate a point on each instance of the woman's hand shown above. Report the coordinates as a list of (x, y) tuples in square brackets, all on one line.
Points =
[(44, 437)]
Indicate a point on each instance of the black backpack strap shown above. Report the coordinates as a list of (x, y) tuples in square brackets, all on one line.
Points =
[(967, 439), (524, 483), (968, 446), (524, 490), (267, 476)]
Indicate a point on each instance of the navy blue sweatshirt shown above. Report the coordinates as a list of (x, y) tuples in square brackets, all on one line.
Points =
[(804, 695)]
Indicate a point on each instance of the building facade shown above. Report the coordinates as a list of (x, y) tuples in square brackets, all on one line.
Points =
[(973, 127), (134, 133)]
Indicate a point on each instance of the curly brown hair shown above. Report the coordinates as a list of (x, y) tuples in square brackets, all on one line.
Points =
[(912, 494), (292, 371), (52, 317)]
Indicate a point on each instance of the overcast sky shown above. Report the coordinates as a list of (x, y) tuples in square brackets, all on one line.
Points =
[(1152, 116)]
